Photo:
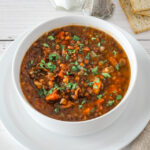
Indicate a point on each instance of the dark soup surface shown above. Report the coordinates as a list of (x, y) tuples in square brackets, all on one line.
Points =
[(75, 73)]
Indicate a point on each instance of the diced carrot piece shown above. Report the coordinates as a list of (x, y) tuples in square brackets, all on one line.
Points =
[(81, 64), (68, 105), (113, 61), (87, 110), (100, 101), (60, 34), (52, 97), (77, 48), (61, 74)]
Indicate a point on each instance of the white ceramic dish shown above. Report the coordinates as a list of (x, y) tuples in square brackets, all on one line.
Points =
[(30, 134), (82, 127)]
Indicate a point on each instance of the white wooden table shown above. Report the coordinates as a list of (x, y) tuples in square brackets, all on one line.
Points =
[(18, 16)]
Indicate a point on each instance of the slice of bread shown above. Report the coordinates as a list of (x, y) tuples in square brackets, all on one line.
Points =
[(140, 5), (144, 12), (138, 23)]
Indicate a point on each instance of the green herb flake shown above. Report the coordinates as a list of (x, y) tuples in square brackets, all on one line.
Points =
[(45, 91), (51, 37), (74, 85), (45, 45), (97, 80), (95, 86), (62, 47), (90, 84), (80, 51), (81, 44), (51, 66), (114, 52), (71, 51), (53, 57), (110, 103), (106, 75), (67, 57), (31, 62), (42, 64), (74, 68), (95, 70), (99, 96), (40, 92), (117, 67), (69, 85), (114, 92), (83, 102), (80, 106), (118, 97), (68, 73), (76, 38), (87, 56), (93, 38), (103, 61), (56, 110), (99, 44)]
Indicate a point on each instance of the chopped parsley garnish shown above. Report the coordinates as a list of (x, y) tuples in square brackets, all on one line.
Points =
[(95, 70), (118, 97), (93, 38), (80, 106), (74, 85), (80, 51), (117, 67), (81, 44), (67, 57), (45, 45), (62, 47), (76, 38), (68, 73), (106, 75), (95, 86), (99, 44), (51, 37), (56, 110), (42, 64), (90, 84), (114, 92), (114, 52), (99, 96), (83, 102), (31, 62), (103, 61), (110, 103), (71, 85), (74, 68), (87, 56), (51, 66), (53, 57), (41, 92), (97, 80), (71, 50)]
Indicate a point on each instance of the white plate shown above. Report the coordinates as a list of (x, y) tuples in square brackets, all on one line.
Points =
[(118, 135)]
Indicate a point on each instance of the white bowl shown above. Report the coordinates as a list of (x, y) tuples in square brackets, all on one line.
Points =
[(81, 127)]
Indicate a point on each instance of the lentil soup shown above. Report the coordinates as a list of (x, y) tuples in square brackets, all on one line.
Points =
[(75, 73)]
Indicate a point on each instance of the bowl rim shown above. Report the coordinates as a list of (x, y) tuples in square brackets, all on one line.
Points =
[(25, 101)]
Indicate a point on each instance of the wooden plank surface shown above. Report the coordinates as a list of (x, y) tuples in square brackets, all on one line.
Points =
[(18, 16)]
